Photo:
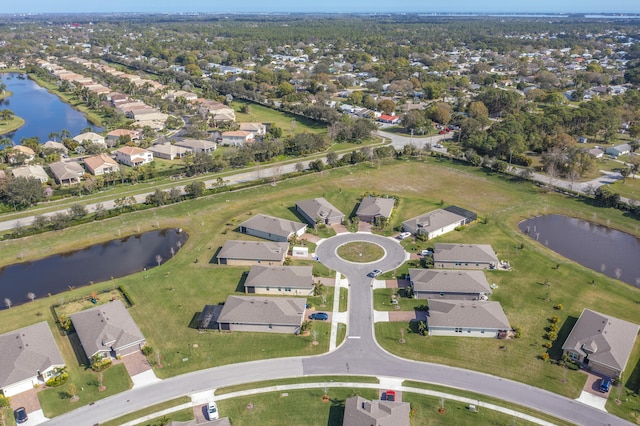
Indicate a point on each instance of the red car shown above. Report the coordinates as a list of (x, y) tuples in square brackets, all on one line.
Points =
[(389, 396), (442, 132)]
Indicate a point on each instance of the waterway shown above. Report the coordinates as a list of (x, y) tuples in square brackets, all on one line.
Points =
[(606, 250), (44, 113), (101, 262)]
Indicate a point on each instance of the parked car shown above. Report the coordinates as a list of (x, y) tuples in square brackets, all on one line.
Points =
[(438, 146), (20, 414), (404, 235), (375, 273), (605, 384), (389, 396), (426, 252), (322, 316), (212, 411)]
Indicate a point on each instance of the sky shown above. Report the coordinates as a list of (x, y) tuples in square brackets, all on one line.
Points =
[(325, 6)]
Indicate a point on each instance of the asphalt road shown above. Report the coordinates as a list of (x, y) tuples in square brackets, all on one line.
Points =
[(358, 355)]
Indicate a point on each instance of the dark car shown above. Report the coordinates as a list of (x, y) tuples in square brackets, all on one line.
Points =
[(389, 396), (319, 316), (20, 415), (605, 384)]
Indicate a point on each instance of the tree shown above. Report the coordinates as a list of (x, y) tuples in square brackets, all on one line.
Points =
[(22, 192), (478, 110), (158, 259), (8, 302), (318, 288), (195, 189), (387, 106), (31, 296), (422, 327), (78, 211)]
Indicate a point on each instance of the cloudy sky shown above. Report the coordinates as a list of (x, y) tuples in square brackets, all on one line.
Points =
[(328, 6)]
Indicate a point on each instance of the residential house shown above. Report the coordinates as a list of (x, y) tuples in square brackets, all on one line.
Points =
[(272, 228), (133, 156), (67, 172), (108, 331), (237, 137), (218, 111), (601, 342), (256, 128), (262, 314), (596, 152), (464, 256), (90, 137), (372, 209), (616, 151), (55, 146), (168, 151), (359, 411), (286, 280), (101, 164), (391, 119), (29, 358), (438, 222), (197, 145), (464, 318), (114, 137), (235, 252), (449, 284), (21, 154), (319, 210), (31, 172)]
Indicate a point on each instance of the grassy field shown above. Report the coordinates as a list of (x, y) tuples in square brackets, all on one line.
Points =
[(289, 123), (182, 286), (177, 416), (382, 300), (154, 409), (310, 379), (360, 252), (630, 188), (14, 123)]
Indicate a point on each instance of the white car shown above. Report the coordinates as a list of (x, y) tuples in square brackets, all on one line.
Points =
[(404, 235), (212, 411)]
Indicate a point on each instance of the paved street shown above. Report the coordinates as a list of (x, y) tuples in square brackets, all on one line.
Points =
[(359, 355)]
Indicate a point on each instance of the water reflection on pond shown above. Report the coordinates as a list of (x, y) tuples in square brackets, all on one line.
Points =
[(97, 263), (597, 247)]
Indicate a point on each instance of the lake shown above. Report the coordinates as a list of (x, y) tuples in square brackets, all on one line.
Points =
[(43, 112), (97, 263), (606, 250)]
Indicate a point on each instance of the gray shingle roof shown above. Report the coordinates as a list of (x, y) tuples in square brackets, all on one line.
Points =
[(66, 170), (196, 144), (375, 206), (449, 281), (106, 326), (450, 313), (319, 208), (433, 221), (25, 352), (280, 276), (263, 310), (471, 253), (359, 411), (273, 225), (254, 250), (607, 340)]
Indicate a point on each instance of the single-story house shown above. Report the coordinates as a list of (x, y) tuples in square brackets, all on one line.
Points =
[(371, 209), (101, 164), (438, 222), (55, 146), (272, 228), (391, 119), (622, 149), (90, 137), (448, 284), (319, 209), (464, 318), (168, 151), (29, 358), (359, 411), (197, 145), (133, 156), (67, 172), (237, 137), (108, 330), (255, 128), (235, 252), (262, 314), (464, 256), (115, 135), (601, 342), (21, 154), (595, 152), (286, 280), (31, 172)]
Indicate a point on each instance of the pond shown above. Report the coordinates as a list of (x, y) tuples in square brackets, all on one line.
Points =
[(43, 112), (97, 263), (597, 247)]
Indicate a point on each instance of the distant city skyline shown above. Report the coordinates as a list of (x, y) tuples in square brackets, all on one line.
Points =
[(327, 6)]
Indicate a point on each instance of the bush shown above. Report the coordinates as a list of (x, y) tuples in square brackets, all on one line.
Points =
[(547, 345), (58, 380), (101, 365), (517, 332), (552, 336), (4, 402), (147, 350), (558, 307), (554, 319), (544, 356), (572, 366), (126, 295)]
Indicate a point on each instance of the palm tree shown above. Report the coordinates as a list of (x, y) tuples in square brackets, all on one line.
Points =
[(318, 288)]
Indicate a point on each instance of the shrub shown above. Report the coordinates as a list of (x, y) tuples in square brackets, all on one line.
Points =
[(126, 295), (547, 345), (517, 332), (147, 350), (552, 336), (58, 380), (544, 356), (101, 365), (558, 307), (4, 402), (554, 319), (572, 366)]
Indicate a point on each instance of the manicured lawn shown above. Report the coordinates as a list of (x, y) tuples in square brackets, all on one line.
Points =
[(630, 188), (382, 300), (289, 123), (299, 407), (360, 252), (10, 125), (342, 333), (311, 379), (55, 401), (344, 299), (182, 415)]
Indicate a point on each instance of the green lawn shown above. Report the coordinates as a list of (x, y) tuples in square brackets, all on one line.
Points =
[(344, 299), (289, 123), (154, 409), (177, 416), (630, 188), (10, 125), (382, 300), (360, 252), (310, 379)]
